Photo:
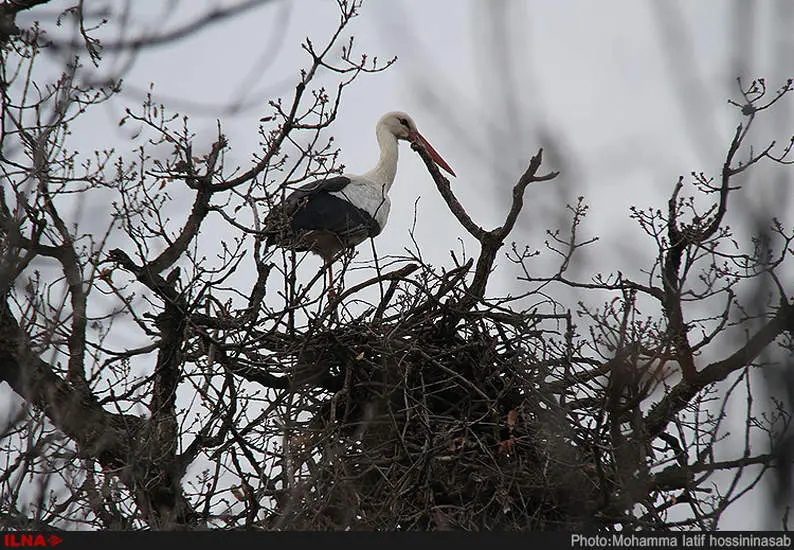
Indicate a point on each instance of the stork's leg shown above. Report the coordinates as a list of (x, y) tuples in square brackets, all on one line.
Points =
[(331, 289)]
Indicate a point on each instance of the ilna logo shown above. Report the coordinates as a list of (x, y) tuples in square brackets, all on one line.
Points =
[(26, 540)]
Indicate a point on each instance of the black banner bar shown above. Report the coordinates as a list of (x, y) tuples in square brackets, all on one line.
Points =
[(263, 540)]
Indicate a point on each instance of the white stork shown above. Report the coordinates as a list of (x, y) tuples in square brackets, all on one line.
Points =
[(331, 215)]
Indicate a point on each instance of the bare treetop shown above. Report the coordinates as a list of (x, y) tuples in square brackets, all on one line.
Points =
[(171, 370)]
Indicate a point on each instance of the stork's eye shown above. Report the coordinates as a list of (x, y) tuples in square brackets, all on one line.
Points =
[(404, 122)]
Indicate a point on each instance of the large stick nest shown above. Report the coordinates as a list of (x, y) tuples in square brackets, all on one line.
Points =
[(440, 421)]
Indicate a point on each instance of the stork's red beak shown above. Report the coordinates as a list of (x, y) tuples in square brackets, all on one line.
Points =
[(418, 138)]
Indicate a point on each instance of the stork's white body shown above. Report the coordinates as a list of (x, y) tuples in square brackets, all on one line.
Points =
[(338, 213), (370, 196), (370, 191)]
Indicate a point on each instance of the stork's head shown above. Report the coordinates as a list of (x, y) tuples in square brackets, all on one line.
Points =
[(402, 126)]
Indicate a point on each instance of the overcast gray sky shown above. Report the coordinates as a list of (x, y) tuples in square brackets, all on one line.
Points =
[(601, 82)]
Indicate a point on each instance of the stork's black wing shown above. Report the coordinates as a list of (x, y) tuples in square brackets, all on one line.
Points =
[(328, 185), (311, 207)]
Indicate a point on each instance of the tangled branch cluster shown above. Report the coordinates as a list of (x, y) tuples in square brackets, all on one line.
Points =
[(439, 414)]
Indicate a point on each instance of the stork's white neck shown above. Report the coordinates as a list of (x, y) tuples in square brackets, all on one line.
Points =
[(385, 171)]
